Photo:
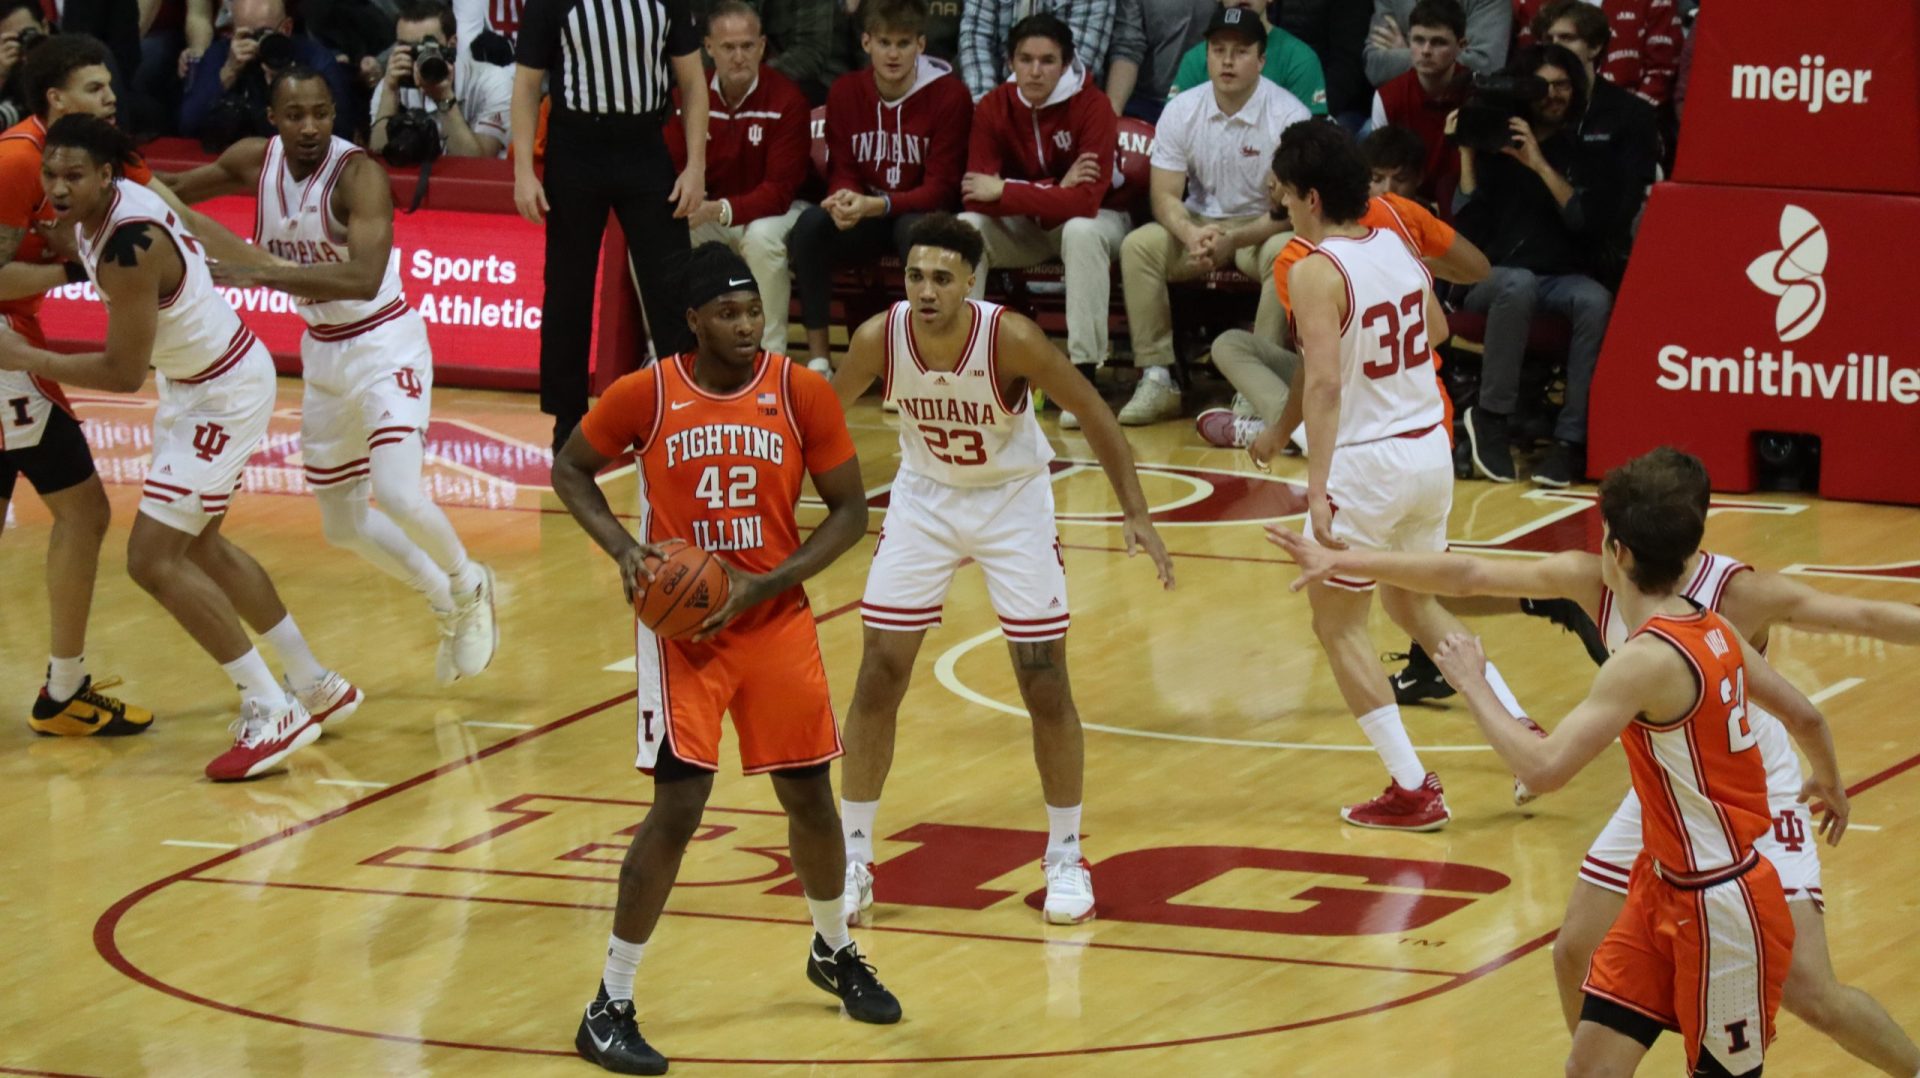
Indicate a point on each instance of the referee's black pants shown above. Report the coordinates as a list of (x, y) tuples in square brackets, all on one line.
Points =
[(593, 165)]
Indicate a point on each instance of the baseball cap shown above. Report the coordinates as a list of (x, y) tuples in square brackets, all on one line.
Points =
[(1241, 22)]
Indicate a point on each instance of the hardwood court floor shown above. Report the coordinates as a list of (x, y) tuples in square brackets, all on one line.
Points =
[(427, 890)]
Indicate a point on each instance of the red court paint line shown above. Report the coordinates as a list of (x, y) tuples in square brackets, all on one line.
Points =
[(1871, 781), (43, 1074), (988, 937)]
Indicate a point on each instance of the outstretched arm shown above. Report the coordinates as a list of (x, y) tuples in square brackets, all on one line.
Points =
[(235, 172), (365, 199), (1025, 352), (1810, 731), (18, 280), (865, 361), (1762, 598), (135, 263), (1568, 575)]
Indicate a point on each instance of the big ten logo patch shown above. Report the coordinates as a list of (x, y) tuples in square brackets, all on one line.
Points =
[(742, 855), (210, 440)]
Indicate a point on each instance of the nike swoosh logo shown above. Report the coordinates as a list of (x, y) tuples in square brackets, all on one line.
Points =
[(677, 405), (731, 283), (598, 1044)]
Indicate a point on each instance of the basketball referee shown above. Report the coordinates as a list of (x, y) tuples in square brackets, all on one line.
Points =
[(609, 62)]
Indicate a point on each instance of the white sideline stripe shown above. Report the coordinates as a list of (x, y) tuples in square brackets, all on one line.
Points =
[(944, 672), (621, 666), (1836, 689), (355, 783), (1863, 827), (499, 725), (189, 844)]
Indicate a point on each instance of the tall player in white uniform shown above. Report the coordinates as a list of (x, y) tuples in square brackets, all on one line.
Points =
[(1754, 601), (216, 386), (324, 230), (974, 483), (1364, 312)]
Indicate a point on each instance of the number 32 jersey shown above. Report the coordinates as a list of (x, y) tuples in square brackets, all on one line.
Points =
[(955, 426), (1386, 387), (723, 471)]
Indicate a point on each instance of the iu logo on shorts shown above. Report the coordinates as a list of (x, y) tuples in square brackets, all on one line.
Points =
[(1791, 831), (409, 382), (210, 440)]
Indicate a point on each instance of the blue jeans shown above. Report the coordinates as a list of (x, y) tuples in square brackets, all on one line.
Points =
[(1508, 297)]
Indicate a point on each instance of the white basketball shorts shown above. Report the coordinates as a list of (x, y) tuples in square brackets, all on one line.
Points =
[(362, 393), (931, 528), (1391, 494), (203, 436), (1789, 844)]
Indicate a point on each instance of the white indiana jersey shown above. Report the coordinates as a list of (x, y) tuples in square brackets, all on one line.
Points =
[(1707, 586), (1386, 386), (199, 336), (295, 221), (954, 426)]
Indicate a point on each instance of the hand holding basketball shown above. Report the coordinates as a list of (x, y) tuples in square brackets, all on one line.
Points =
[(640, 562), (682, 590), (744, 591)]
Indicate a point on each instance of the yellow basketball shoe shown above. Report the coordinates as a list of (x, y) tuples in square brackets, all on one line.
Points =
[(89, 713)]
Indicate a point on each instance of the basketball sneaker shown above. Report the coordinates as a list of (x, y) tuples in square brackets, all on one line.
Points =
[(87, 713), (445, 670), (476, 636), (609, 1035), (1569, 616), (1419, 679), (845, 974), (1401, 809), (1242, 407), (1220, 427), (332, 700), (1069, 892), (263, 738), (1069, 421), (857, 898), (1153, 400), (1522, 795)]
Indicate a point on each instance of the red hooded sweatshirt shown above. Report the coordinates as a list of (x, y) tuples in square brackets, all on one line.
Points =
[(1032, 148), (756, 149), (910, 150)]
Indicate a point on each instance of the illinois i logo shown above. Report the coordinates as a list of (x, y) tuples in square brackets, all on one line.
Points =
[(1795, 273)]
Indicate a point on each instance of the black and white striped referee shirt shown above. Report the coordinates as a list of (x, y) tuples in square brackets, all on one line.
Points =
[(607, 57)]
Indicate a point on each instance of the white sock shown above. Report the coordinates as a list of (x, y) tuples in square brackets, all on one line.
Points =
[(64, 676), (623, 960), (856, 823), (1063, 834), (303, 670), (830, 920), (1159, 374), (255, 681), (1383, 728), (1499, 686)]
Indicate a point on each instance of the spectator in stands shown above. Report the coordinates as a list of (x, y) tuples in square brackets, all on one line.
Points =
[(471, 105), (1149, 37), (984, 27), (1534, 216), (1398, 159), (1421, 98), (1619, 145), (1213, 142), (1291, 64), (1487, 27), (1037, 174), (797, 40), (1642, 53), (757, 146), (1336, 30), (19, 20), (226, 94)]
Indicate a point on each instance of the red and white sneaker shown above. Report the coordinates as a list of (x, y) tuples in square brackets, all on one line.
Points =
[(1069, 892), (1522, 795), (262, 738), (332, 700), (1401, 809)]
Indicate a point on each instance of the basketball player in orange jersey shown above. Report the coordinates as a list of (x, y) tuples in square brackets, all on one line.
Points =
[(974, 484), (1754, 601), (1380, 474), (1703, 944), (324, 233), (216, 386), (724, 438)]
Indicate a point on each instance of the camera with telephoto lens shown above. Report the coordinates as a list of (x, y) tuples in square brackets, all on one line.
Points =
[(413, 138), (27, 38), (276, 50), (1494, 102), (431, 64)]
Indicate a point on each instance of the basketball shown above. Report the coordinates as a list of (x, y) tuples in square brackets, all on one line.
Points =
[(689, 584)]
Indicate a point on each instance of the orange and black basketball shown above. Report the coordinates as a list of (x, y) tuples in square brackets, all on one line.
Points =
[(689, 586)]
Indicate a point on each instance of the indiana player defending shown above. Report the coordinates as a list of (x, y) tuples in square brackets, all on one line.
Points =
[(1364, 311), (325, 218), (974, 483), (1703, 943), (216, 395), (724, 438), (1754, 601)]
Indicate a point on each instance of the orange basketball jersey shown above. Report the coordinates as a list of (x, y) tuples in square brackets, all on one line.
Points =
[(1701, 781), (723, 472)]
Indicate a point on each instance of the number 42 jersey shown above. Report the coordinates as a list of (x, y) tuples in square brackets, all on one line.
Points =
[(956, 427)]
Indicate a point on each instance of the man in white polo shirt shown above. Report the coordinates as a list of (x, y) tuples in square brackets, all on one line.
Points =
[(1213, 142)]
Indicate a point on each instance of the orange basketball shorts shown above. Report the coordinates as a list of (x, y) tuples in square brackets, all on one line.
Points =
[(764, 670), (1709, 963)]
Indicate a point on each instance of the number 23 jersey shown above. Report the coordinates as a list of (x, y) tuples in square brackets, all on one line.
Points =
[(956, 427), (723, 471)]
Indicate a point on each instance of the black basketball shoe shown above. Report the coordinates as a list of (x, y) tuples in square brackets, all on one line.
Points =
[(1567, 614), (610, 1036), (847, 975), (1419, 679)]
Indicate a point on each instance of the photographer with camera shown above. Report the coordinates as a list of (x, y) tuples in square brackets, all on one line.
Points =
[(434, 98), (1526, 201), (226, 95), (21, 28)]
